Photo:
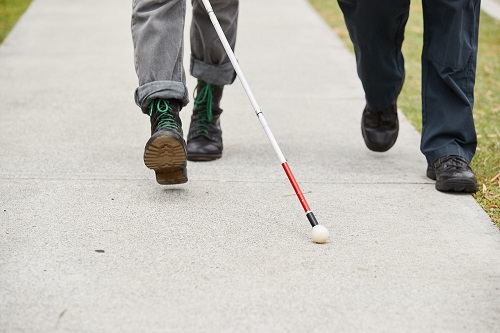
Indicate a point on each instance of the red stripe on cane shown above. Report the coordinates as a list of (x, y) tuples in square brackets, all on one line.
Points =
[(296, 187)]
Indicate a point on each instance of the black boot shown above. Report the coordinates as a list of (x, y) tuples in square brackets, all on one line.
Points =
[(204, 141), (165, 152), (452, 174), (380, 128)]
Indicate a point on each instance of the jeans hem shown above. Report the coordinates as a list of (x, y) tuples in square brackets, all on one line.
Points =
[(160, 89)]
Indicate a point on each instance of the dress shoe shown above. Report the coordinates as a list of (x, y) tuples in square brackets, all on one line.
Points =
[(380, 128)]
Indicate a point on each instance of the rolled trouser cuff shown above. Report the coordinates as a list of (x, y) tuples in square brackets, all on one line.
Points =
[(160, 89), (222, 74)]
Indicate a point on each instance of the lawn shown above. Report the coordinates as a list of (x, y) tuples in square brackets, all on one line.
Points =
[(10, 11), (486, 163)]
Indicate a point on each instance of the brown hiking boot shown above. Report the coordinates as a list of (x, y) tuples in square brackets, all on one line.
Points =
[(165, 151)]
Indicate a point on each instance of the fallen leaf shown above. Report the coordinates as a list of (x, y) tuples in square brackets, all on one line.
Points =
[(62, 313), (497, 177)]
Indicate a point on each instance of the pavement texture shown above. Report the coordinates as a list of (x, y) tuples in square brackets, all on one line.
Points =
[(90, 243)]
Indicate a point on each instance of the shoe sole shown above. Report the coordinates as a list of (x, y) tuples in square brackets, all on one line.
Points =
[(457, 185), (378, 149), (166, 155), (203, 157)]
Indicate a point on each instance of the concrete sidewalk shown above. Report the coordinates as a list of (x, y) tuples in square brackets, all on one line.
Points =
[(90, 243), (491, 7)]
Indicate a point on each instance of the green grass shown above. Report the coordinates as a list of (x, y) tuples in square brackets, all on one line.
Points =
[(10, 11), (486, 163)]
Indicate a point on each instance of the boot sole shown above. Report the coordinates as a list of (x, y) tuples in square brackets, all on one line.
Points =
[(457, 185), (166, 155)]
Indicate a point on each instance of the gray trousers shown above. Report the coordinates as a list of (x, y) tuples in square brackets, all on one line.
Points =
[(376, 28), (158, 37)]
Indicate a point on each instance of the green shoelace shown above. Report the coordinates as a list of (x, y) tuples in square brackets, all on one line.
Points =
[(203, 102), (166, 119)]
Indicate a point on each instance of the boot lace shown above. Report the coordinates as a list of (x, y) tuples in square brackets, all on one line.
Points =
[(203, 102), (388, 119), (372, 119), (453, 161), (166, 119)]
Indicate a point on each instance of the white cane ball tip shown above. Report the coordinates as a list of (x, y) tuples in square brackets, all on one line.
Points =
[(320, 234)]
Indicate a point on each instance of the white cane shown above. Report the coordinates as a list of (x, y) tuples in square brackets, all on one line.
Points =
[(319, 233)]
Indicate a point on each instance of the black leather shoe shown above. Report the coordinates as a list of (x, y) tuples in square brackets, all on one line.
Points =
[(380, 128), (452, 174), (204, 141), (165, 151)]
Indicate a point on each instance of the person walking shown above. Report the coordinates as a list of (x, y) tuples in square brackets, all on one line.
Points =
[(376, 29), (157, 33)]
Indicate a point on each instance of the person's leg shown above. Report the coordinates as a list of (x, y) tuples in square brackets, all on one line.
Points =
[(158, 37), (448, 77), (209, 61), (376, 29), (211, 66), (157, 33)]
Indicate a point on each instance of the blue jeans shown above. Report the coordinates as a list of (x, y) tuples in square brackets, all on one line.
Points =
[(449, 55), (158, 37)]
